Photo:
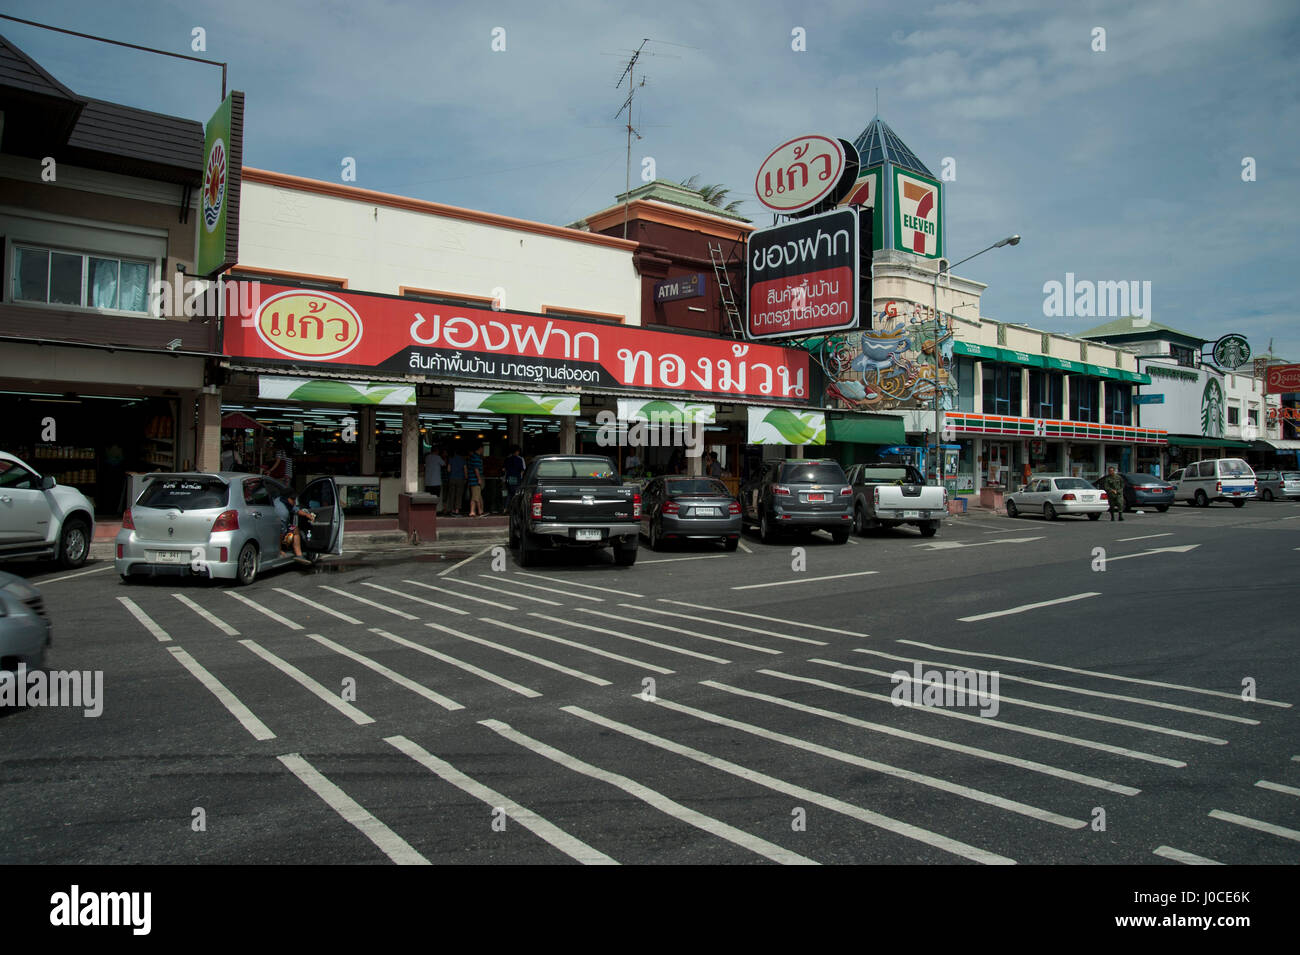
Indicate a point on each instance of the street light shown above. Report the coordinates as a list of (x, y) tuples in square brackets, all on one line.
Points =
[(938, 454)]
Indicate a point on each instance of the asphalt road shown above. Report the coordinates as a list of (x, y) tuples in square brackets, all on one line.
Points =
[(699, 707)]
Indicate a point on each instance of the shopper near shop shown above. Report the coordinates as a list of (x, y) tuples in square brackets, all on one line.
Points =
[(711, 466), (455, 483), (1114, 487), (433, 465), (474, 478), (515, 467)]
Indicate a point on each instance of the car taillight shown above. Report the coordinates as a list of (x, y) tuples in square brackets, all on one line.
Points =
[(846, 491), (128, 524), (226, 521), (780, 489), (537, 505), (119, 551), (875, 496), (733, 507), (1068, 497), (670, 507), (225, 555), (1218, 486), (636, 505)]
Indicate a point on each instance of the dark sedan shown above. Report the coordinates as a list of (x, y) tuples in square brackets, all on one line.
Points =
[(1144, 490), (689, 508)]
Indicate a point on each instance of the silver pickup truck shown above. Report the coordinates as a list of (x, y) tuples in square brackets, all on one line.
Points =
[(574, 501), (887, 495)]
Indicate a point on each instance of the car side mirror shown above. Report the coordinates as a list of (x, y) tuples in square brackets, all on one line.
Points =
[(1021, 488), (47, 482)]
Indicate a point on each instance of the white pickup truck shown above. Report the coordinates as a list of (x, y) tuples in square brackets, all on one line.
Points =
[(887, 495)]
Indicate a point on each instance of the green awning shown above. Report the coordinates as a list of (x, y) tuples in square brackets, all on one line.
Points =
[(994, 353), (1065, 365), (859, 429), (1188, 441)]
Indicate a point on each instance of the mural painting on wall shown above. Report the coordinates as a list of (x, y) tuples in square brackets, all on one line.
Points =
[(890, 365)]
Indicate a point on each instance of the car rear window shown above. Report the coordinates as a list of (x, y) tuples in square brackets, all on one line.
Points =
[(1072, 484), (702, 486), (885, 474), (590, 469), (1235, 467), (188, 494), (1291, 476), (812, 474)]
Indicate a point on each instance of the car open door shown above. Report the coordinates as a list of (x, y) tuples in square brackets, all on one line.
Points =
[(325, 534)]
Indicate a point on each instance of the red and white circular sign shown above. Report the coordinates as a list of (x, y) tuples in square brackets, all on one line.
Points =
[(799, 173)]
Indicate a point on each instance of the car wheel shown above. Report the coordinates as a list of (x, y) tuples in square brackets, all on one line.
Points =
[(840, 536), (1201, 499), (655, 537), (766, 531), (1012, 510), (1049, 512), (731, 543), (1268, 495), (625, 555), (1238, 503), (1162, 508), (929, 528), (1094, 517), (74, 543), (247, 567), (860, 521)]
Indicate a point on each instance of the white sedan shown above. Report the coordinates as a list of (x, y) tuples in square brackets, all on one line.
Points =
[(1053, 496)]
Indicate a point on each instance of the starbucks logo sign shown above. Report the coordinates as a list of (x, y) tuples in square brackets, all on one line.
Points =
[(1231, 352), (1212, 409)]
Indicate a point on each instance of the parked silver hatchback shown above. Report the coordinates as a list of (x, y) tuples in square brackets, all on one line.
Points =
[(225, 525)]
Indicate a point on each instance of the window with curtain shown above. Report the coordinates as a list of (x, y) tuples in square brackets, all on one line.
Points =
[(79, 279)]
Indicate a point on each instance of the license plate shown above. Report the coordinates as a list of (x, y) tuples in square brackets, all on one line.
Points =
[(587, 535), (816, 497), (912, 514), (171, 557), (706, 512)]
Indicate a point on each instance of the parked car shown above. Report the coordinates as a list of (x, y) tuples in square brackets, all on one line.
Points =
[(24, 626), (799, 494), (1143, 490), (577, 501), (1055, 495), (890, 495), (1216, 479), (1271, 485), (40, 518), (686, 508), (222, 524)]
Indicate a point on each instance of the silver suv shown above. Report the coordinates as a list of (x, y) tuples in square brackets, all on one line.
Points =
[(799, 494), (40, 518)]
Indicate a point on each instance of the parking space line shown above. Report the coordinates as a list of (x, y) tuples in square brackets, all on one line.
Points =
[(467, 560), (678, 630), (369, 603), (54, 580), (387, 841), (319, 606), (669, 560), (211, 618), (1096, 673), (552, 590), (764, 617), (433, 697), (523, 655), (540, 600), (500, 681), (1278, 787), (145, 620), (1144, 537), (1028, 764), (1024, 607), (571, 846), (743, 546), (1256, 824), (237, 709), (627, 636), (307, 683), (1186, 858), (452, 593), (971, 717), (265, 610), (578, 646), (419, 600), (656, 800), (723, 623), (903, 829), (575, 583), (805, 580)]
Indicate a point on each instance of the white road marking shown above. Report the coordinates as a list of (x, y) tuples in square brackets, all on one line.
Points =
[(264, 610), (307, 683), (387, 841), (319, 606), (145, 620), (1278, 787), (211, 618), (1255, 824), (1024, 607), (853, 541), (540, 661), (971, 717), (227, 699), (1096, 673), (1186, 858), (467, 560), (1065, 688), (626, 636), (55, 580), (571, 846), (953, 545), (578, 646), (764, 617), (1028, 764), (540, 600), (1144, 537), (433, 697), (550, 590), (806, 580), (369, 603), (452, 593), (670, 560), (467, 667), (1156, 550), (575, 583), (419, 600), (745, 547), (656, 800), (723, 623), (906, 830), (678, 630)]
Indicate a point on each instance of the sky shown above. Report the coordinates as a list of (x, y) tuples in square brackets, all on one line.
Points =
[(1152, 142)]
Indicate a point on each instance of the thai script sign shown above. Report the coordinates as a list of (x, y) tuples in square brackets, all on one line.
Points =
[(800, 173), (1282, 379), (803, 276)]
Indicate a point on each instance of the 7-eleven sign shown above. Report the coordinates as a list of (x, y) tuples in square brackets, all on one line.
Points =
[(917, 211)]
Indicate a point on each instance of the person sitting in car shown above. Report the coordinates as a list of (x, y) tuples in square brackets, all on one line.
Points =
[(291, 517)]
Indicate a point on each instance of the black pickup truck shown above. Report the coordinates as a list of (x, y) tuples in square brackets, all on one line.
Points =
[(574, 500)]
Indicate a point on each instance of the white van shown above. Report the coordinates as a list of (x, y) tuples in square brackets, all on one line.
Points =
[(1218, 479)]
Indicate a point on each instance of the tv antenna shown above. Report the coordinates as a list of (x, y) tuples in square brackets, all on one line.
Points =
[(629, 74)]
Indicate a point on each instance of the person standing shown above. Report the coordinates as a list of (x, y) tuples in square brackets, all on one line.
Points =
[(455, 483), (712, 468), (433, 464), (514, 468), (474, 478), (1114, 487)]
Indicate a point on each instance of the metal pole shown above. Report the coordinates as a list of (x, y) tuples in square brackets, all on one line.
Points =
[(938, 454)]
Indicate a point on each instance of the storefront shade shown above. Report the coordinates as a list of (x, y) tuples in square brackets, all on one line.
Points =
[(660, 411), (335, 390), (1029, 360), (1191, 442), (786, 426), (863, 430), (516, 402)]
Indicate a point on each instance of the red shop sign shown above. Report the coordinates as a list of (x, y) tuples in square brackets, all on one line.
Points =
[(1282, 379), (400, 336)]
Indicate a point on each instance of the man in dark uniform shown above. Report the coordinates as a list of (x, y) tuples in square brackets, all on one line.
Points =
[(1114, 487)]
